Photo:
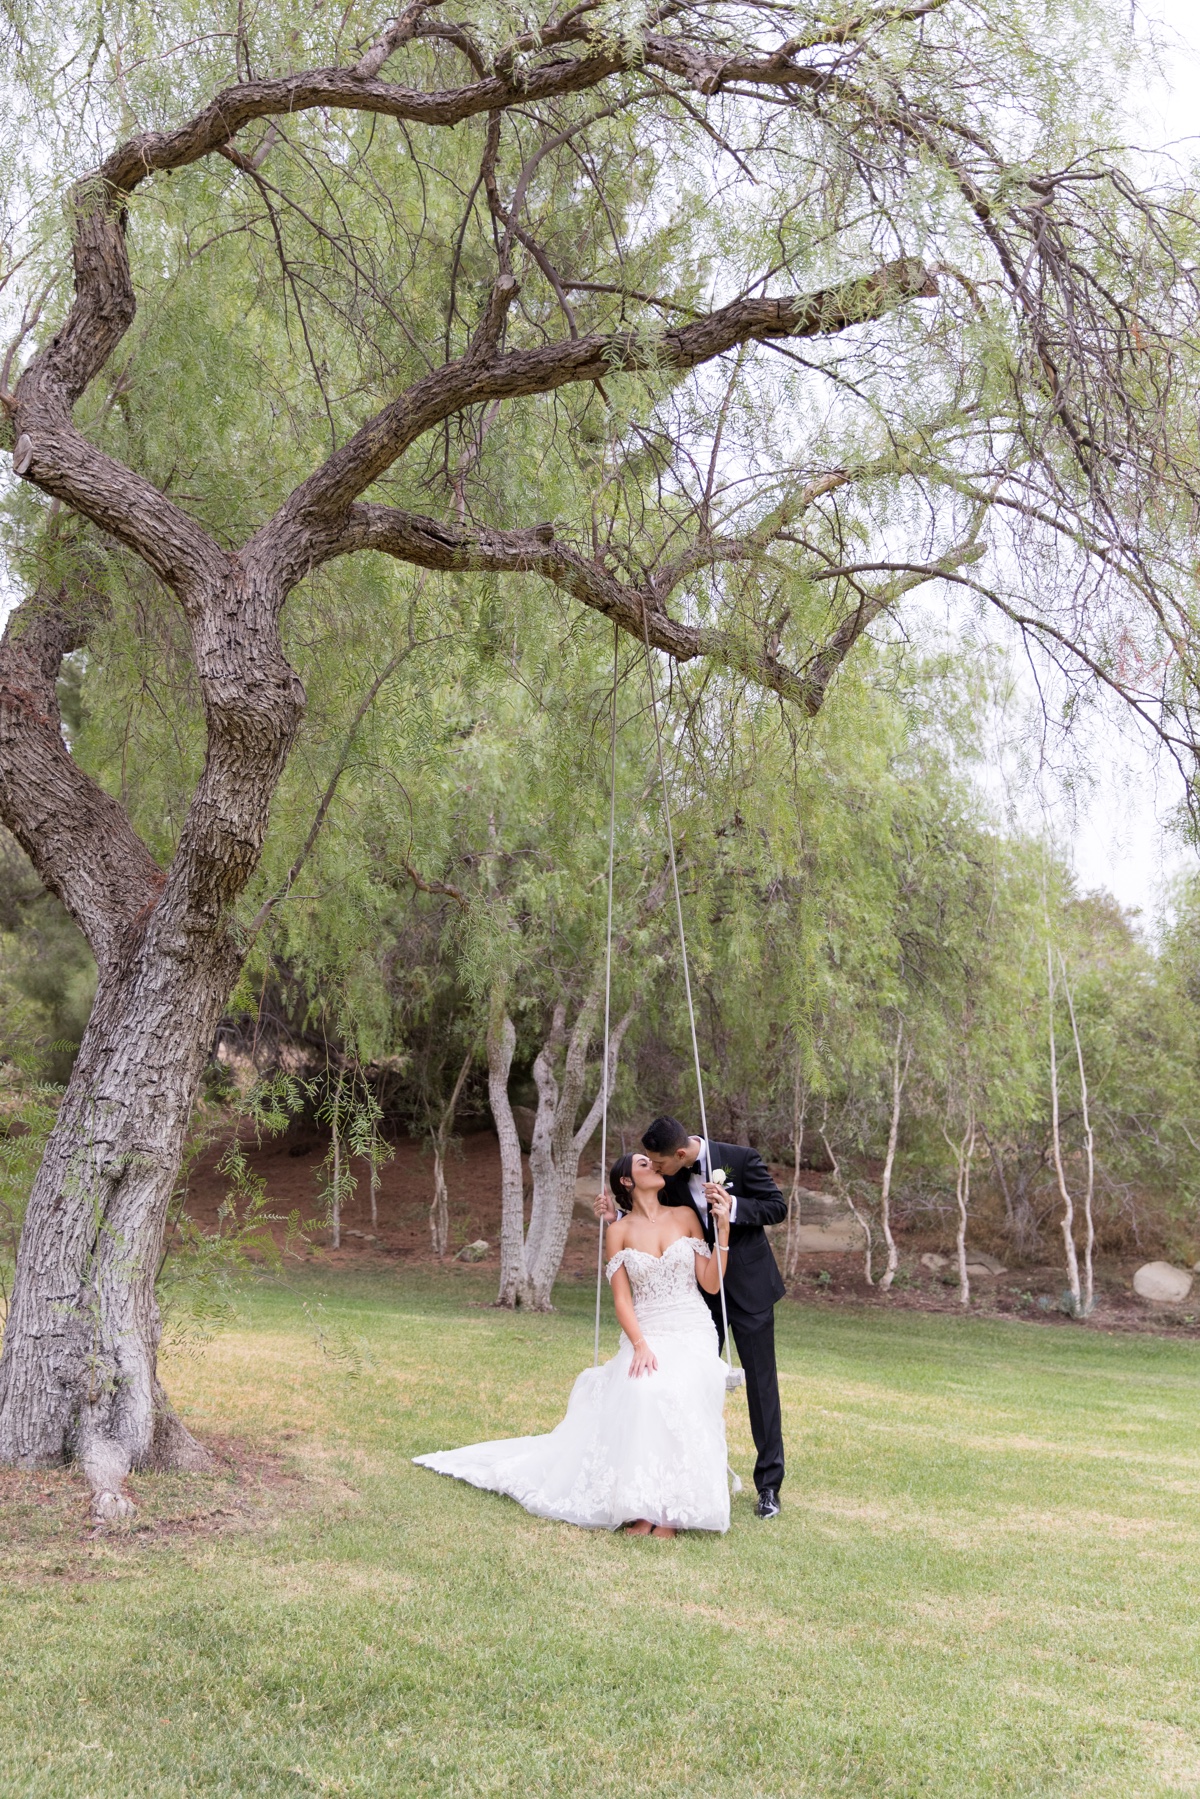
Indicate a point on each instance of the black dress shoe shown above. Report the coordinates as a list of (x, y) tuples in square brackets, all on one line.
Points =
[(768, 1504)]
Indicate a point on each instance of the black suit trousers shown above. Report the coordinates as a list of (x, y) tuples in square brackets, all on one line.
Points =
[(754, 1339)]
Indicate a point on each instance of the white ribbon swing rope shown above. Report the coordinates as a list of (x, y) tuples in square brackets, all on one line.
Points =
[(612, 831), (734, 1377)]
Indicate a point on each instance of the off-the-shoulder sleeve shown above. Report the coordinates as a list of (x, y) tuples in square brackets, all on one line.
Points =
[(618, 1261), (701, 1247)]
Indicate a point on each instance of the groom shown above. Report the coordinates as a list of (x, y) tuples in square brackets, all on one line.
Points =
[(753, 1283)]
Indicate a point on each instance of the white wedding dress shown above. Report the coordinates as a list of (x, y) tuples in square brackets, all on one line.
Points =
[(651, 1448)]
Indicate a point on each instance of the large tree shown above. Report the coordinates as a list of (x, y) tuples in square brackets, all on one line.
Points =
[(599, 227)]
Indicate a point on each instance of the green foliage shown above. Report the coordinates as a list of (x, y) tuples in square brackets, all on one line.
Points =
[(46, 981), (27, 1110), (200, 1269), (352, 1114), (47, 973)]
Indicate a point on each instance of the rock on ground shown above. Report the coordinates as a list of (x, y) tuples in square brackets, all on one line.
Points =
[(979, 1262), (1160, 1281), (837, 1238)]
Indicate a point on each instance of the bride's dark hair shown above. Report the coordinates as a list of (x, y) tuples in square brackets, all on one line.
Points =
[(619, 1173)]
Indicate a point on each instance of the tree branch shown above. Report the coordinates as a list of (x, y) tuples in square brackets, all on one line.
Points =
[(820, 669), (78, 837), (426, 542), (57, 457), (425, 886), (119, 501), (312, 518), (398, 33), (583, 1136)]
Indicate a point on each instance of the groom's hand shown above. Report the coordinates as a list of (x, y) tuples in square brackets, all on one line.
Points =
[(718, 1198), (605, 1206)]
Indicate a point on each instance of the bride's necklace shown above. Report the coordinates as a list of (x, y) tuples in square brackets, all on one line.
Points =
[(656, 1247)]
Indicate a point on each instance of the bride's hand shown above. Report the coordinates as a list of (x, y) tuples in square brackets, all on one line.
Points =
[(644, 1360)]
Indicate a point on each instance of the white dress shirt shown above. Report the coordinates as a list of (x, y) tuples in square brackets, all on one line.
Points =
[(701, 1172)]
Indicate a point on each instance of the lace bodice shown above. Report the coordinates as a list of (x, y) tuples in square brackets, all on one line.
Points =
[(665, 1294)]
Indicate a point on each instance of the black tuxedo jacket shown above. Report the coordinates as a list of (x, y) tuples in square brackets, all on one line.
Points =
[(753, 1282)]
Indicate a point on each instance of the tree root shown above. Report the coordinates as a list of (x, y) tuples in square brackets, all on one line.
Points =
[(110, 1507), (105, 1463), (174, 1448)]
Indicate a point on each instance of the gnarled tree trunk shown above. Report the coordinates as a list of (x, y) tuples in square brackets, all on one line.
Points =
[(78, 1374), (78, 1371)]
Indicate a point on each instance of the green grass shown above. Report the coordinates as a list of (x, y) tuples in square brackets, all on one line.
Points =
[(985, 1579)]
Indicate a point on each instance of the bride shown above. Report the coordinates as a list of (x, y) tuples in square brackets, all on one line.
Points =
[(643, 1441)]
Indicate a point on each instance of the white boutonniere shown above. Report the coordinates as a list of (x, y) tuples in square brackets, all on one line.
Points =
[(719, 1177)]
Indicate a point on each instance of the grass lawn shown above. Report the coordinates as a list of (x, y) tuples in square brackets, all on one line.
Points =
[(986, 1578)]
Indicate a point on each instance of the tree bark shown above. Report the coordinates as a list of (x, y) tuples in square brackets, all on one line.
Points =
[(864, 1223), (885, 1185), (1068, 1204), (501, 1042), (439, 1212), (557, 1144), (1089, 1144), (78, 1374), (78, 1370), (963, 1153), (335, 1206), (799, 1108)]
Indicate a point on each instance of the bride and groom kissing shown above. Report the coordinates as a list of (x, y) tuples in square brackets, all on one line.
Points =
[(642, 1444)]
